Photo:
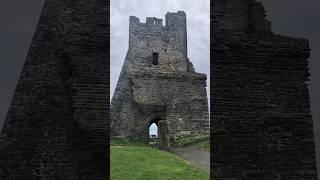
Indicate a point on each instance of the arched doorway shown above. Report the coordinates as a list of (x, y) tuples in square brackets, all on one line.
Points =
[(161, 139), (153, 131)]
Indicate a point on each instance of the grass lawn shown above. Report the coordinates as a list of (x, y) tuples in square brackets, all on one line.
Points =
[(136, 161), (199, 141), (204, 145)]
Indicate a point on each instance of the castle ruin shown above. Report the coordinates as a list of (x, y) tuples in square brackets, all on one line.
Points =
[(57, 124), (261, 128), (158, 81), (261, 124)]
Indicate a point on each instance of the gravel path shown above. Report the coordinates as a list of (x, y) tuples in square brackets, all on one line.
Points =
[(196, 156)]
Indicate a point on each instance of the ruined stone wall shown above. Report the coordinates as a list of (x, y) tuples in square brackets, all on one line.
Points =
[(181, 101), (57, 127), (262, 126), (182, 95), (171, 90), (170, 41)]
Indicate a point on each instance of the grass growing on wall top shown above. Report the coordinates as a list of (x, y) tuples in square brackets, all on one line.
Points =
[(203, 145), (203, 139)]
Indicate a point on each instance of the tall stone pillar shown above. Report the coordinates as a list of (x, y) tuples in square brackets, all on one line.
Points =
[(163, 135)]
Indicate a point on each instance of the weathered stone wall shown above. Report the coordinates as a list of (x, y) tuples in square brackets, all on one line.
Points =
[(170, 41), (262, 126), (57, 127), (171, 91)]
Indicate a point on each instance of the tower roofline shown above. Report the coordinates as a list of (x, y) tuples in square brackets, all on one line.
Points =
[(154, 20)]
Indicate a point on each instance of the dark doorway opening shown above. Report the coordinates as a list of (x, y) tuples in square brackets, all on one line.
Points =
[(155, 60)]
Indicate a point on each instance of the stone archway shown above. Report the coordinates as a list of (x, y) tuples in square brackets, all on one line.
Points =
[(153, 140), (152, 117), (154, 120), (163, 139), (153, 131)]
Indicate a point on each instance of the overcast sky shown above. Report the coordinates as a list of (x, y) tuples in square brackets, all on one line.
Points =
[(18, 20), (198, 28)]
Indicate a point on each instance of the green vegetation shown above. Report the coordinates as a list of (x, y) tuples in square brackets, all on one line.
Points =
[(127, 142), (203, 145), (138, 161), (192, 139)]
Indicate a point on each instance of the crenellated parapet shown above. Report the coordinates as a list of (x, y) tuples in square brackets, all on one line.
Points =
[(240, 16), (169, 41)]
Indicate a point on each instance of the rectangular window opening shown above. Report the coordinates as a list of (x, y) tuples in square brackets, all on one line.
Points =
[(155, 59)]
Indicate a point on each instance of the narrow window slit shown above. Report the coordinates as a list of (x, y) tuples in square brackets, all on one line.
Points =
[(155, 59)]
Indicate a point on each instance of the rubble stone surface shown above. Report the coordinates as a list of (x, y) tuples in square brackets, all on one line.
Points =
[(261, 124), (57, 124)]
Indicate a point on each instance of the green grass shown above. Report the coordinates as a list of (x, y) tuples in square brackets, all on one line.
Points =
[(204, 145), (190, 140), (127, 142), (138, 161)]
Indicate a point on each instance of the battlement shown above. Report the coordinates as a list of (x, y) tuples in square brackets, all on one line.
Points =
[(167, 42), (172, 19), (257, 18), (241, 16), (150, 21)]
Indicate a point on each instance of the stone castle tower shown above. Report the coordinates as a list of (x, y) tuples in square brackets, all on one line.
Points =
[(57, 125), (262, 126), (158, 81)]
